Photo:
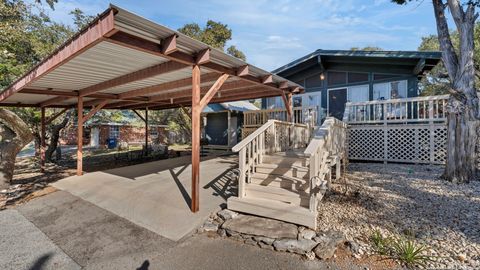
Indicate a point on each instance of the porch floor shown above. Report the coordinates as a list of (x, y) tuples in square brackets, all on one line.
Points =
[(156, 195)]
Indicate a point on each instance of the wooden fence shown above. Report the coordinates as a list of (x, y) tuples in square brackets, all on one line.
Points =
[(411, 130)]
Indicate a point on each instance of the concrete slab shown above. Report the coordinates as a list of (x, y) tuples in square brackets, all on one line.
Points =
[(156, 195), (92, 236), (24, 246)]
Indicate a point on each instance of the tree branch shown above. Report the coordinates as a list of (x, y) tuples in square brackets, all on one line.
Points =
[(449, 56)]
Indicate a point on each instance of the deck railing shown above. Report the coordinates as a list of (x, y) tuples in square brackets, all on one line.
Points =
[(273, 136), (327, 146), (417, 109), (301, 115)]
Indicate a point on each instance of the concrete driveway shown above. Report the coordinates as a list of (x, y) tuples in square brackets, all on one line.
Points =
[(156, 195), (79, 234)]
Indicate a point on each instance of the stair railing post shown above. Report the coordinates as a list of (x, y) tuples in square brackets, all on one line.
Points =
[(241, 176)]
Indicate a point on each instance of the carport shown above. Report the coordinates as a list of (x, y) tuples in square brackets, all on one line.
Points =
[(123, 61)]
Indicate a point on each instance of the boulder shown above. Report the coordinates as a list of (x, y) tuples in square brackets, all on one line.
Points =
[(226, 214), (296, 246), (328, 245), (266, 240), (259, 226), (307, 234), (210, 227), (265, 246)]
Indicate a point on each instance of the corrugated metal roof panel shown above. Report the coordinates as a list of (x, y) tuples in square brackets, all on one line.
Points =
[(102, 62)]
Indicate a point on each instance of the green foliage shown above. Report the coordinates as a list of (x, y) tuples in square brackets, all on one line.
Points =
[(80, 19), (403, 249), (215, 34), (438, 82), (367, 48), (232, 50), (409, 253)]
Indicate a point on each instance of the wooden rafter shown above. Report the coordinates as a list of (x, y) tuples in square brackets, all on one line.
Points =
[(142, 74), (93, 111), (53, 101), (212, 91)]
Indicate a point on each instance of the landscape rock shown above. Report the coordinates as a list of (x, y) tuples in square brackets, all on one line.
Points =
[(210, 227), (296, 246), (266, 240), (307, 234), (222, 232), (259, 226), (250, 241), (265, 246), (226, 214), (327, 247), (310, 255)]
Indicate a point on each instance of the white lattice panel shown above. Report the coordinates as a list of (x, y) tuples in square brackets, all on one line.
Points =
[(411, 143)]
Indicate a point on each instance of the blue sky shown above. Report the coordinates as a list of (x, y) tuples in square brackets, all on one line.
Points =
[(273, 33)]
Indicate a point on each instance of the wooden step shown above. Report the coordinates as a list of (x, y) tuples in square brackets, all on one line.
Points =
[(279, 169), (296, 153), (274, 209), (291, 183), (300, 198)]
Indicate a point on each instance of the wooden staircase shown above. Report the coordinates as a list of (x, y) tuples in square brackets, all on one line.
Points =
[(281, 182)]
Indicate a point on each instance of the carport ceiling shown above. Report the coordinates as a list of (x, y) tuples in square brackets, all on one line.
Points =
[(130, 63)]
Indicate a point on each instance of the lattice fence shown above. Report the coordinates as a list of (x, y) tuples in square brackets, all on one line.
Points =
[(411, 143)]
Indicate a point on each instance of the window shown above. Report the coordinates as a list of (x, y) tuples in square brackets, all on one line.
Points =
[(390, 90), (335, 77), (114, 132), (378, 76), (356, 77), (313, 81), (297, 101), (358, 93), (274, 103)]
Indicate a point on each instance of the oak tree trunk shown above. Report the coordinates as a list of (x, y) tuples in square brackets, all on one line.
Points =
[(14, 135), (54, 137), (463, 107)]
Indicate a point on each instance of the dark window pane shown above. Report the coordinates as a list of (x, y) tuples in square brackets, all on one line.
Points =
[(314, 81), (335, 77), (354, 77), (377, 76)]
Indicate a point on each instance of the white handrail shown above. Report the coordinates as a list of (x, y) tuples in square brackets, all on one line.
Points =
[(252, 136), (384, 101)]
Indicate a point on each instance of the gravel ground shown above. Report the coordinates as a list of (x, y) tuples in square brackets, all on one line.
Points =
[(407, 199)]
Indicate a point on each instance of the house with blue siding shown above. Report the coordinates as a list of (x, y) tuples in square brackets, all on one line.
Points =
[(333, 77)]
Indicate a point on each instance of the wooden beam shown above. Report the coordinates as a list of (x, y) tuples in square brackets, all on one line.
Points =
[(228, 86), (267, 79), (146, 131), (186, 112), (52, 101), (243, 71), (93, 111), (80, 136), (134, 42), (168, 87), (202, 57), (196, 111), (169, 45), (212, 91), (142, 74), (283, 85), (55, 116), (42, 139), (420, 66), (287, 101), (74, 46)]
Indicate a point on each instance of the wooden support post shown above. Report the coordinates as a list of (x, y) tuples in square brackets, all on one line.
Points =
[(42, 140), (146, 131), (287, 101), (229, 129), (80, 136), (196, 110)]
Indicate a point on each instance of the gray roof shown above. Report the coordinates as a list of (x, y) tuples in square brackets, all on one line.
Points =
[(434, 55), (239, 106)]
